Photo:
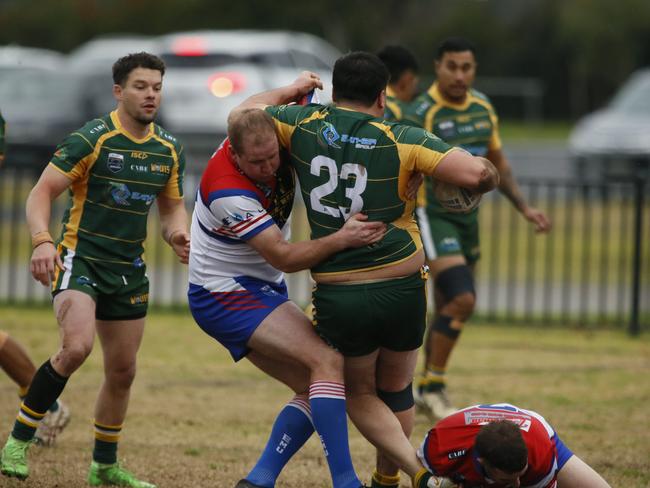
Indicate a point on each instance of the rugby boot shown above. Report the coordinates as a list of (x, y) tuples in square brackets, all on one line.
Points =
[(13, 459), (114, 475)]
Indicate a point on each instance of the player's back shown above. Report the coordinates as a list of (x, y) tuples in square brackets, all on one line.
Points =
[(349, 162)]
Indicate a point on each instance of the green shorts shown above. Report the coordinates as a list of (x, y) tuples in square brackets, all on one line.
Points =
[(358, 319), (117, 297), (447, 234)]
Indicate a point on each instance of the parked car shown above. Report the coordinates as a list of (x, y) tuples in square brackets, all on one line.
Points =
[(16, 58), (40, 107), (37, 102), (210, 72), (614, 142)]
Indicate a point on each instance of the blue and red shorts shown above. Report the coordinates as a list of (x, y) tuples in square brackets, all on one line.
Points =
[(231, 317)]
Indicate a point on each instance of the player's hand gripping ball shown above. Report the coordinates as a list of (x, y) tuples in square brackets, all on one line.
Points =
[(454, 198)]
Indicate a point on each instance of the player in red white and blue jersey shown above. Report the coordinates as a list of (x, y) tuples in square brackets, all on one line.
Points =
[(501, 445), (237, 293)]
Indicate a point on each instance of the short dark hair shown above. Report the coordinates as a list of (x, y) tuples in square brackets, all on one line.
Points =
[(398, 60), (252, 124), (501, 444), (123, 66), (359, 77), (454, 45)]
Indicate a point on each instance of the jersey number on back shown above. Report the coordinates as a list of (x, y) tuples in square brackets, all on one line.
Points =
[(353, 193)]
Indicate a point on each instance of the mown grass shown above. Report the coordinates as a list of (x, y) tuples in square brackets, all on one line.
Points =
[(198, 420)]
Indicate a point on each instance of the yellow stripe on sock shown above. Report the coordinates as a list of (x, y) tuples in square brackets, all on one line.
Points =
[(385, 479), (31, 412)]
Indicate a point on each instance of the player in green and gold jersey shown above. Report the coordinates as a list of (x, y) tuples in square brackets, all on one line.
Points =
[(370, 303), (463, 117), (113, 168), (403, 81)]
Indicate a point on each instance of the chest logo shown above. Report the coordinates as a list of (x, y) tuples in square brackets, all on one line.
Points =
[(115, 162)]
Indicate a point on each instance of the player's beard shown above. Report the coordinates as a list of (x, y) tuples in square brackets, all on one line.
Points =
[(146, 119)]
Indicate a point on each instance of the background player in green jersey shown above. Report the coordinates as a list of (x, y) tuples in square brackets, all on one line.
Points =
[(114, 168), (402, 82), (369, 302), (463, 117)]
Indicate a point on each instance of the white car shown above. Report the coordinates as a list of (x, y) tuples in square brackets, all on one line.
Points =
[(614, 142), (211, 72)]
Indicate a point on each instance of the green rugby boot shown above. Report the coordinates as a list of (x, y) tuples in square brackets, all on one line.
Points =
[(13, 460), (114, 475)]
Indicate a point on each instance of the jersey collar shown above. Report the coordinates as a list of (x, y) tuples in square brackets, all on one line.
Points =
[(119, 127), (434, 93)]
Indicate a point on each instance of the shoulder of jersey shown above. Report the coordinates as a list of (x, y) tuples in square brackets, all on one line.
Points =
[(94, 129), (167, 136), (480, 95), (420, 105)]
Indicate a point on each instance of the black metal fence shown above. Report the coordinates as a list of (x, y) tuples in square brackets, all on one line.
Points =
[(592, 269)]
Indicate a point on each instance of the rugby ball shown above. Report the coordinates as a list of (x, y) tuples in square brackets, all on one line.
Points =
[(454, 198)]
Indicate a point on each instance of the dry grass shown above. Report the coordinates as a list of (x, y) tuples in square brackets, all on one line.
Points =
[(197, 420)]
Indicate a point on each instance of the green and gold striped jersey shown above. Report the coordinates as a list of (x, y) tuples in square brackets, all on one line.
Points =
[(395, 108), (472, 125), (348, 162), (115, 179)]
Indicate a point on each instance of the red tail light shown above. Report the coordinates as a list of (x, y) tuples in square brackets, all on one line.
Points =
[(224, 84), (189, 46)]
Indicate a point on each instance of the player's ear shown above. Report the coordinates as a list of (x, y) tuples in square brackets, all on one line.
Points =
[(117, 92), (381, 100)]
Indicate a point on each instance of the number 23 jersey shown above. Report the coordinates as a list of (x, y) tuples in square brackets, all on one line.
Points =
[(349, 162)]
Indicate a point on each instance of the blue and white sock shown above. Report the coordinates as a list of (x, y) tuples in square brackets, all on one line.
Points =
[(327, 401), (292, 427)]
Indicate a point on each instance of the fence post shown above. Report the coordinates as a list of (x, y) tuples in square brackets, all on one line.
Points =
[(639, 186)]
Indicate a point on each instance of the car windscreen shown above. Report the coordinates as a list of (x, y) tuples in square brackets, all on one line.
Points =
[(38, 92), (214, 60)]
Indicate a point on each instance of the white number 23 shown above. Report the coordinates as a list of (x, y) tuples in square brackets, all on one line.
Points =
[(353, 193)]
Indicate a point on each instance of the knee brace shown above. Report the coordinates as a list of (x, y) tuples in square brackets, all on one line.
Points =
[(442, 325), (398, 401), (454, 281)]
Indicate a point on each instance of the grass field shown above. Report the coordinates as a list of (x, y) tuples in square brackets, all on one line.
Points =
[(198, 420)]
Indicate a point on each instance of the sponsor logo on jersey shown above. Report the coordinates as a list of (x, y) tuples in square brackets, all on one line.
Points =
[(122, 194), (466, 129), (482, 124), (329, 135), (139, 155), (61, 153), (447, 129), (140, 168), (456, 454), (359, 142), (138, 262), (97, 128), (161, 168), (115, 162)]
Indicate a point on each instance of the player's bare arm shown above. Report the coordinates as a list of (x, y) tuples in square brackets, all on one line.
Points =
[(38, 208), (295, 256), (306, 82), (508, 186), (462, 169), (173, 219)]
